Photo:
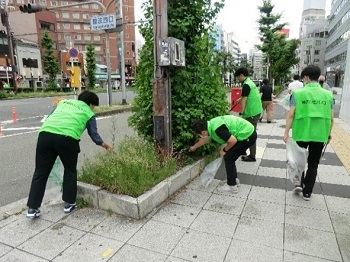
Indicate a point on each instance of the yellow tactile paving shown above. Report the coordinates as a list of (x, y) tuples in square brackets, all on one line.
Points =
[(341, 144)]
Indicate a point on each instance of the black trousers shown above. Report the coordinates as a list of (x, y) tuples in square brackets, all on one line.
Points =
[(254, 121), (49, 146), (315, 151), (233, 154)]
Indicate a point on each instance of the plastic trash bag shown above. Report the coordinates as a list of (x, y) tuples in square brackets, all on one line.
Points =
[(210, 171), (287, 100), (296, 160), (56, 175)]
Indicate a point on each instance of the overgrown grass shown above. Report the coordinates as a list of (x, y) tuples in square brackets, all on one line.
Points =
[(133, 169)]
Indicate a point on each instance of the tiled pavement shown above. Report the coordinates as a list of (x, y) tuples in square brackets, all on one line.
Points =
[(265, 221)]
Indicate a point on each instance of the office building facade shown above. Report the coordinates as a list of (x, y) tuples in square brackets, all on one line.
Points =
[(338, 38)]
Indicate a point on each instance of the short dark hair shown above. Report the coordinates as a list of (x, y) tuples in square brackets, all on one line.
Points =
[(199, 125), (242, 70), (90, 98), (296, 77), (265, 81), (312, 71)]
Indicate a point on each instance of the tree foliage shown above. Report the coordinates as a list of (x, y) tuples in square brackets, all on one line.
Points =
[(90, 66), (279, 53), (197, 90), (51, 66)]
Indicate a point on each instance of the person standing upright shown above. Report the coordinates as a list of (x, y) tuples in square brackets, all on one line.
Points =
[(251, 106), (296, 84), (266, 94), (311, 118)]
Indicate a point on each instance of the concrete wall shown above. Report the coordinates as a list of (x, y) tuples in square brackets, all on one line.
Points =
[(345, 101)]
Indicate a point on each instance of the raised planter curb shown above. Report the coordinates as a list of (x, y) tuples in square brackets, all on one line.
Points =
[(141, 206)]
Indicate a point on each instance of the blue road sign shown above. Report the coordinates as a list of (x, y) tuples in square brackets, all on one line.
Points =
[(73, 52)]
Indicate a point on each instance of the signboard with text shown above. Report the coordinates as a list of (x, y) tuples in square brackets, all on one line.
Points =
[(103, 22)]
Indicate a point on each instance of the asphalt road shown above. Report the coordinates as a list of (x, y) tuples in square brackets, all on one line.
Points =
[(18, 141)]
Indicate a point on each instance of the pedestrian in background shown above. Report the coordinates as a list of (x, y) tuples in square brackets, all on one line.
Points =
[(323, 83), (266, 94), (296, 84), (59, 136), (251, 106), (236, 132), (311, 118)]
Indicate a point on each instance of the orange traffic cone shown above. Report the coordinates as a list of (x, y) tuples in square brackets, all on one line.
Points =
[(14, 116)]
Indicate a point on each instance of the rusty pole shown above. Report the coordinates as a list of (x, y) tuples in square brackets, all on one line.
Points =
[(161, 83)]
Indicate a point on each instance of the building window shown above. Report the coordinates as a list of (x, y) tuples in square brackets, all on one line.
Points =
[(64, 3), (65, 15), (77, 37), (318, 42), (67, 37), (66, 26), (316, 60), (126, 17), (78, 47), (86, 16), (30, 62), (127, 53), (127, 35), (86, 27), (57, 15), (126, 8), (76, 15), (87, 38), (47, 26), (53, 3), (317, 52), (42, 2), (20, 2), (94, 6), (77, 26), (97, 48), (97, 38), (58, 25), (98, 58)]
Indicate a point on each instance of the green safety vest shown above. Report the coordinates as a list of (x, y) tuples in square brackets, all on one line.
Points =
[(68, 119), (238, 127), (313, 113), (253, 106)]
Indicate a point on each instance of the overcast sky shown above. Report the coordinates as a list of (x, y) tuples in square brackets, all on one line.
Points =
[(241, 16)]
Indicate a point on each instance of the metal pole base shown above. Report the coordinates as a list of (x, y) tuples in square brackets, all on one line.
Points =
[(124, 102)]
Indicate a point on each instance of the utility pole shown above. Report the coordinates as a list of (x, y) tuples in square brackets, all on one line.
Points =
[(120, 48), (161, 84)]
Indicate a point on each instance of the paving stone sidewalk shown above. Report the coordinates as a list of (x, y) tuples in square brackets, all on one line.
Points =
[(264, 221)]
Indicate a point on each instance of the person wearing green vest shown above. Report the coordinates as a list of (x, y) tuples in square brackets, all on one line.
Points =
[(251, 106), (311, 118), (238, 135), (59, 136)]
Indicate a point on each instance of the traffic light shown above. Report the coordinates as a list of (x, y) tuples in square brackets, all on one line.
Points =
[(29, 8), (75, 77), (3, 6)]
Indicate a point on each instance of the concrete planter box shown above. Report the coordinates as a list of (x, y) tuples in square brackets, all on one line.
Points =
[(141, 206)]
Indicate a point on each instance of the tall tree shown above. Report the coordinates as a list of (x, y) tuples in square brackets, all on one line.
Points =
[(90, 66), (51, 66), (197, 89), (279, 53)]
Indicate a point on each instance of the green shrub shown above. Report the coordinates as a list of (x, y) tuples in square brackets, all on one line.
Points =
[(131, 170)]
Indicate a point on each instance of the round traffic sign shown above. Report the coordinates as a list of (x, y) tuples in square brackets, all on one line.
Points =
[(73, 52)]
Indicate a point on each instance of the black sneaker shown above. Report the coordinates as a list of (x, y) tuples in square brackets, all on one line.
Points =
[(68, 208), (33, 213), (248, 159), (306, 196)]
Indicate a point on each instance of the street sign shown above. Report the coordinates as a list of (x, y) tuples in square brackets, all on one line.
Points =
[(103, 22), (73, 52)]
